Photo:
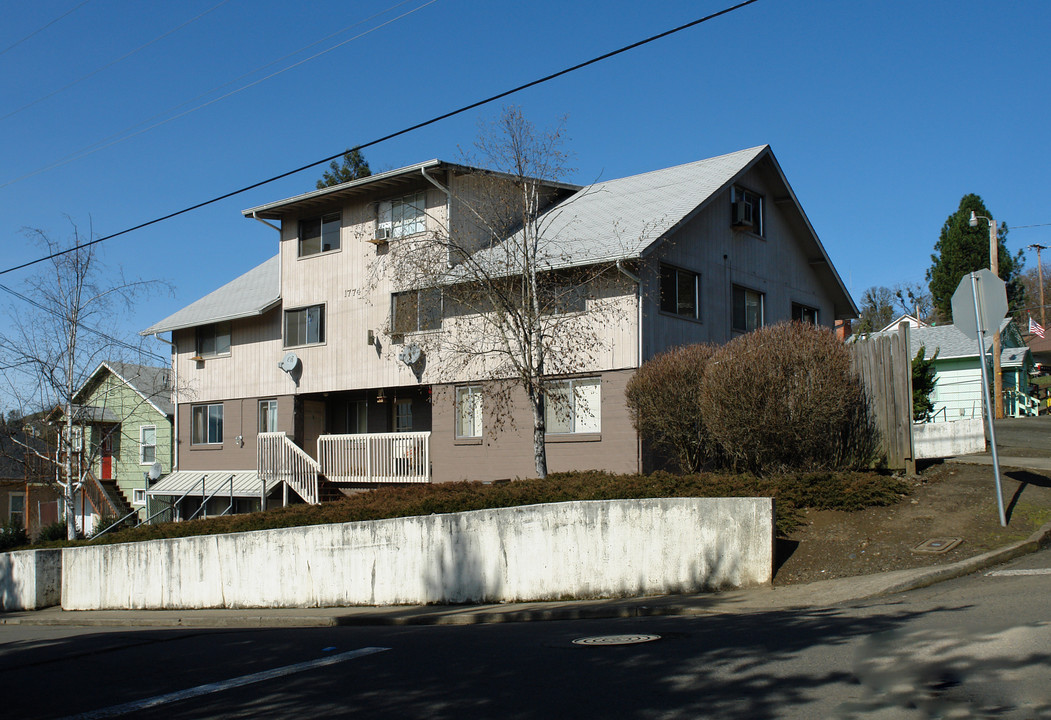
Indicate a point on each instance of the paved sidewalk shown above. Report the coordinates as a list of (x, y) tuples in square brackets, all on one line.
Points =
[(817, 594), (1029, 463)]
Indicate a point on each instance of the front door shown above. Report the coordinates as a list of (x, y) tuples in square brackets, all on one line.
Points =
[(106, 451), (313, 425)]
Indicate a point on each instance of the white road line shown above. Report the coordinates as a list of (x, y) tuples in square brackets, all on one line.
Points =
[(1035, 571), (117, 710)]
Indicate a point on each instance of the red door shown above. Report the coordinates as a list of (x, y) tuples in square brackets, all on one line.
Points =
[(107, 457)]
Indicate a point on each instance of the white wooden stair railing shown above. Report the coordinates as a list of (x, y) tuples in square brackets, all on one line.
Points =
[(280, 459)]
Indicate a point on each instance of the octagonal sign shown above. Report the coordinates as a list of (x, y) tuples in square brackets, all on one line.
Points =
[(992, 303)]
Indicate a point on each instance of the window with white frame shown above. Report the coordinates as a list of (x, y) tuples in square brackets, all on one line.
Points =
[(207, 424), (573, 406), (213, 340), (802, 313), (305, 326), (416, 310), (138, 496), (469, 412), (403, 216), (16, 509), (147, 444), (319, 234), (746, 209), (747, 309), (267, 416), (680, 292)]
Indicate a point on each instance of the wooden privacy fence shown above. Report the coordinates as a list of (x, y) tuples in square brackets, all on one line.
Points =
[(885, 368)]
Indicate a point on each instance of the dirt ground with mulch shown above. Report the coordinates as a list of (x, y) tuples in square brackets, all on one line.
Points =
[(948, 500)]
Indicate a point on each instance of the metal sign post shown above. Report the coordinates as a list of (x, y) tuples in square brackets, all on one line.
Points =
[(988, 296)]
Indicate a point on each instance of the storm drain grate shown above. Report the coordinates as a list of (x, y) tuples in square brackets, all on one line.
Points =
[(937, 545), (599, 640)]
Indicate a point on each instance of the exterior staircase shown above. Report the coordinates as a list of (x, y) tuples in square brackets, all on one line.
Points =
[(105, 496)]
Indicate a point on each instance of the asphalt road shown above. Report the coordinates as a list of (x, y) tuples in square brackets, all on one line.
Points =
[(1030, 437), (977, 646)]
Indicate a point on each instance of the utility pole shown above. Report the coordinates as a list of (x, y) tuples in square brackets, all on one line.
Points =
[(1040, 275), (994, 266)]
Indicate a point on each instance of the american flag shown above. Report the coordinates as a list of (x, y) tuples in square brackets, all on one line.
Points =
[(1035, 328)]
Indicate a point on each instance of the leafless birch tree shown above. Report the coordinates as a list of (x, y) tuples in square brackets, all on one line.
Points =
[(61, 327)]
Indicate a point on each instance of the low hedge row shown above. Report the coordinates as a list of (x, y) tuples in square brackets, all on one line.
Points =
[(823, 491)]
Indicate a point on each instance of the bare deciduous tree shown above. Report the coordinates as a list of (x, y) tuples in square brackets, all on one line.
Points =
[(511, 303), (60, 332)]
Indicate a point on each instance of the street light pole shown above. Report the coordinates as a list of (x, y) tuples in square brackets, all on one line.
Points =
[(994, 266), (1040, 275)]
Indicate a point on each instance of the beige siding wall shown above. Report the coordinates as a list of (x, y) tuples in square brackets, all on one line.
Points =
[(505, 450), (775, 265)]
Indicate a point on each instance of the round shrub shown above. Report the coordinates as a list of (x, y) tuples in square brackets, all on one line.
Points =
[(786, 398), (664, 400)]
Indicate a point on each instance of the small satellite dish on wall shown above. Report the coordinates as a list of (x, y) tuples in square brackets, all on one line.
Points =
[(410, 354), (289, 362), (155, 470)]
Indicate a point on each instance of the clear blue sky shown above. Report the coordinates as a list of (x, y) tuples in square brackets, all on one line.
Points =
[(882, 113)]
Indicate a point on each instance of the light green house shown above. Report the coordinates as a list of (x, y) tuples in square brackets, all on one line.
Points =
[(958, 374), (123, 415)]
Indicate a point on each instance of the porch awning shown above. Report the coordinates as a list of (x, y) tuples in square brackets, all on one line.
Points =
[(188, 482)]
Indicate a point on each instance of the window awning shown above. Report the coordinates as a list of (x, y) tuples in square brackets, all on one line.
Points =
[(246, 483)]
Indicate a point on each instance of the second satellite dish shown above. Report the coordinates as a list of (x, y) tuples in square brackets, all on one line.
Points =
[(410, 354)]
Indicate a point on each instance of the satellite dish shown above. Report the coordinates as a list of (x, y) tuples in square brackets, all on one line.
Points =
[(288, 362), (410, 354), (155, 470)]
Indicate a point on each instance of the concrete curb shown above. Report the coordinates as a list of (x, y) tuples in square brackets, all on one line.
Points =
[(819, 594)]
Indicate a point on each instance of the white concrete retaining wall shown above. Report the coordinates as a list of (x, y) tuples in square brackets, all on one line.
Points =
[(536, 552), (30, 579), (948, 439)]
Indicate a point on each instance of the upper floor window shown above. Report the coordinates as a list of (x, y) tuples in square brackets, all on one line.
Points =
[(747, 309), (469, 412), (207, 422), (802, 313), (319, 234), (416, 310), (746, 209), (680, 292), (213, 340), (404, 216), (267, 416), (305, 326), (147, 444), (574, 406)]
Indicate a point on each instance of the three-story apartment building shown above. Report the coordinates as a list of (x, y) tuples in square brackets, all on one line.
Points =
[(323, 342)]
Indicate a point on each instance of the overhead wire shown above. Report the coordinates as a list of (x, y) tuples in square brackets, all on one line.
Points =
[(44, 27), (110, 64), (390, 136), (127, 134)]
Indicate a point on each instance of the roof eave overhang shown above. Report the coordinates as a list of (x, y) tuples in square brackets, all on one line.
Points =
[(255, 312)]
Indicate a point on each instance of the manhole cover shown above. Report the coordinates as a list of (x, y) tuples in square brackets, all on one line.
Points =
[(616, 639), (937, 545)]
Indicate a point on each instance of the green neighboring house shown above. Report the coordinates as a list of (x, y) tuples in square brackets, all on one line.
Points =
[(124, 414), (958, 374)]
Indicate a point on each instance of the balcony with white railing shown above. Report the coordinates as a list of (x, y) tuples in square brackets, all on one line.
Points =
[(376, 457)]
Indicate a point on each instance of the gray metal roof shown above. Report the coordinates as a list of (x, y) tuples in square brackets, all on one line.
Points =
[(251, 294), (950, 342), (246, 483)]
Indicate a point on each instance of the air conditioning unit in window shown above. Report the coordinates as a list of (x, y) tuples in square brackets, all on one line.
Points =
[(382, 236), (742, 213)]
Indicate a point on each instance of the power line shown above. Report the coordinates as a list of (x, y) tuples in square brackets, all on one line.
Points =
[(113, 62), (45, 27), (127, 134), (82, 326), (417, 126)]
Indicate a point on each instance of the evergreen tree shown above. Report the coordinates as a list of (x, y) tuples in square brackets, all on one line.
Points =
[(877, 310), (962, 249), (922, 385), (354, 167)]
